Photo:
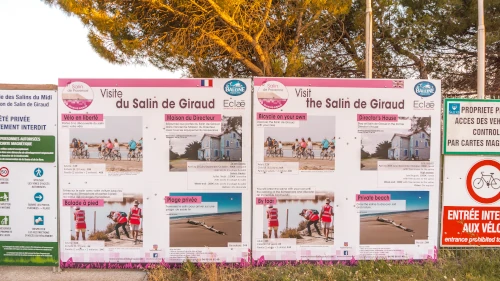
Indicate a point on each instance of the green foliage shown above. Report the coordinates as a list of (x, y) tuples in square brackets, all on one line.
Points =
[(191, 152), (381, 150), (173, 155), (364, 154)]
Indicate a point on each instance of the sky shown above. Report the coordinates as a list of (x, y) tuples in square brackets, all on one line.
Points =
[(415, 200), (316, 128), (114, 129), (45, 44), (226, 202)]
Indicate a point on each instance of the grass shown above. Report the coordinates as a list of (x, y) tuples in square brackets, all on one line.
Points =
[(471, 265), (99, 235)]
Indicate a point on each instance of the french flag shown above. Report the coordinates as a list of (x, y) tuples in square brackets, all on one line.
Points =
[(206, 83)]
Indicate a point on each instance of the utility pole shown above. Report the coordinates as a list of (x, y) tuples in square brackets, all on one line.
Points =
[(368, 37), (481, 50)]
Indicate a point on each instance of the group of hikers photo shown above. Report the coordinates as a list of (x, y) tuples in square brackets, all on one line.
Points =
[(121, 220), (312, 217), (108, 149), (301, 149)]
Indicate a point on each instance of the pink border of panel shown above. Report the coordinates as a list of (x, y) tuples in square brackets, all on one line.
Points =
[(329, 82), (142, 83)]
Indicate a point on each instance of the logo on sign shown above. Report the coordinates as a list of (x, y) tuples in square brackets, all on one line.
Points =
[(38, 172), (235, 88), (4, 172), (77, 96), (4, 197), (272, 95), (155, 255), (453, 108), (346, 253), (38, 220), (425, 89), (4, 220)]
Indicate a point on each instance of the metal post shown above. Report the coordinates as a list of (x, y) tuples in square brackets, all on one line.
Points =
[(368, 37), (286, 219), (481, 50)]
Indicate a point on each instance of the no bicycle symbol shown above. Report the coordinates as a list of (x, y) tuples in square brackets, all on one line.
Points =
[(483, 179)]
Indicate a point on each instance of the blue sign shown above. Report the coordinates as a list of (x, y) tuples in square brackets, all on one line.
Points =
[(38, 220), (346, 253), (155, 255), (425, 89), (235, 88), (38, 172), (453, 108), (38, 197)]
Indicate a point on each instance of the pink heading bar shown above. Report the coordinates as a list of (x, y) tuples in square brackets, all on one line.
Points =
[(69, 117), (143, 83), (266, 200), (377, 118), (178, 200), (328, 82), (193, 118), (373, 197), (282, 116), (83, 202)]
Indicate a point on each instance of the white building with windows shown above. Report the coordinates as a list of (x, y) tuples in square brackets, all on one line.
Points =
[(219, 147), (412, 146)]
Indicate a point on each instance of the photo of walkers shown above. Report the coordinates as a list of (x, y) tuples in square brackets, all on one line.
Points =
[(121, 150), (311, 144), (412, 143), (310, 221), (118, 224)]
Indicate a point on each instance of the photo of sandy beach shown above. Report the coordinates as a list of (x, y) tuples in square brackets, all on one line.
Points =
[(100, 226), (201, 147), (296, 226), (114, 132), (396, 227), (208, 230), (397, 144), (280, 144)]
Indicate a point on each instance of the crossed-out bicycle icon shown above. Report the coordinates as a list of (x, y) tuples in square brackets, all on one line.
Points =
[(489, 180)]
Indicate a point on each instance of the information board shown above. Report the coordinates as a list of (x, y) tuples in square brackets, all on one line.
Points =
[(158, 168), (472, 127), (345, 169), (28, 177)]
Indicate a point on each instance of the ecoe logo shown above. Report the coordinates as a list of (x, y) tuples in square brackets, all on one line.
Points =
[(425, 89), (235, 88), (77, 96)]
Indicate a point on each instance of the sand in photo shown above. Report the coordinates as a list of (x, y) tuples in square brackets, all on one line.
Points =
[(375, 232), (183, 234)]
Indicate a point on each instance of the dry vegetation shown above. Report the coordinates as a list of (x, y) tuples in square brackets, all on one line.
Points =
[(452, 265)]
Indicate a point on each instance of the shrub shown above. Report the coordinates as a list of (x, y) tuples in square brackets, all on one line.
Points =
[(290, 233)]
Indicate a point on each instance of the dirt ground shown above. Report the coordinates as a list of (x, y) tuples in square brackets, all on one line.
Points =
[(178, 165), (123, 242)]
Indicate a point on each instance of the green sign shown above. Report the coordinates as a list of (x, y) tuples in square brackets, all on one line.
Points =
[(28, 253), (4, 197), (26, 148), (4, 220)]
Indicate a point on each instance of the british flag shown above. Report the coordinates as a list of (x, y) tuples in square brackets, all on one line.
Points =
[(398, 84)]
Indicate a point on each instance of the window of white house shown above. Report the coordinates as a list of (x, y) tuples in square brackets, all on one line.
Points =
[(423, 136), (426, 144), (416, 143), (234, 135), (416, 152), (406, 152), (216, 153), (227, 143), (237, 144), (227, 153)]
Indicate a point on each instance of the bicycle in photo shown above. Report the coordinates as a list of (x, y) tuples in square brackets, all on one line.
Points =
[(489, 180), (116, 155), (85, 154), (279, 152), (138, 156), (132, 155)]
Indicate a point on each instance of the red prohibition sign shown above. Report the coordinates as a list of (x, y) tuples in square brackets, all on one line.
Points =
[(4, 172), (469, 180)]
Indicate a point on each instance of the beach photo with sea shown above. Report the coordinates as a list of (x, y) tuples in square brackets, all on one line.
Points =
[(217, 226), (292, 222), (202, 147), (99, 225), (409, 140), (319, 131), (402, 219), (120, 132)]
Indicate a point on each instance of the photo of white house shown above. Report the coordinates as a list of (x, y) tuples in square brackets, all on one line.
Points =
[(414, 146), (220, 147)]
